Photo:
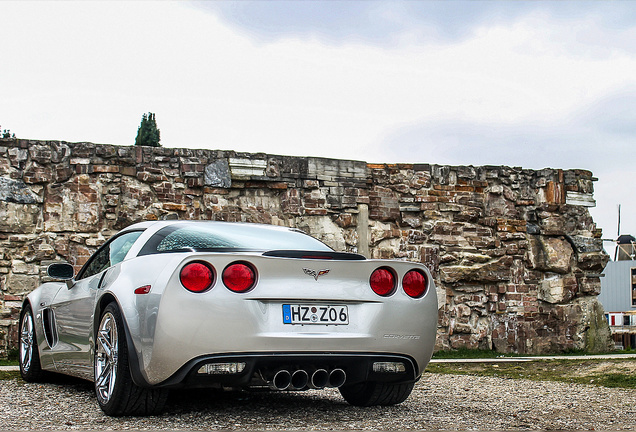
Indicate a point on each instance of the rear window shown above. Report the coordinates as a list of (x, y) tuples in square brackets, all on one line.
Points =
[(220, 237)]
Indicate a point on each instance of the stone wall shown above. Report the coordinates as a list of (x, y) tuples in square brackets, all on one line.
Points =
[(514, 252)]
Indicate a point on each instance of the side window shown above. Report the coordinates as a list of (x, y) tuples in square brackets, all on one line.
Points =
[(120, 246), (98, 263), (110, 254)]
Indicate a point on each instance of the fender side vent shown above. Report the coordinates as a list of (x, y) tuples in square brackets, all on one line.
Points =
[(50, 328)]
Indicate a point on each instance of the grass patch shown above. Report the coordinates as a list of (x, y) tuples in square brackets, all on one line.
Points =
[(12, 358), (9, 375), (606, 373), (464, 353), (615, 380)]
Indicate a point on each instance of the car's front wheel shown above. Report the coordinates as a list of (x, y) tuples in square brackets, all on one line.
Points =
[(30, 367), (117, 394), (376, 393)]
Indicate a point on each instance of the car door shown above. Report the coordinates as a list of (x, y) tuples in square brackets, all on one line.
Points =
[(74, 307)]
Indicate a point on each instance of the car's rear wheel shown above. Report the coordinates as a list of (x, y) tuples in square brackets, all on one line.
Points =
[(117, 394), (30, 367), (376, 393)]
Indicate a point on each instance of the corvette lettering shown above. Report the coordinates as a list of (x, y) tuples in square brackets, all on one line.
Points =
[(404, 337)]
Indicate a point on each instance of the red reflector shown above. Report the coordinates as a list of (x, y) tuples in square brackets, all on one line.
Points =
[(196, 277), (143, 290), (239, 277), (415, 283), (382, 281)]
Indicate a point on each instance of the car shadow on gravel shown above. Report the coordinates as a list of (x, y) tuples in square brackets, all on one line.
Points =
[(66, 381), (267, 404), (229, 408), (204, 399)]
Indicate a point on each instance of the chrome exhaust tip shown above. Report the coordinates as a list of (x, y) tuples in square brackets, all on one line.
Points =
[(282, 380), (299, 379), (319, 379), (337, 378)]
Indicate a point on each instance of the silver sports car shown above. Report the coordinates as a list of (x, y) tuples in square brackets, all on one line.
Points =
[(178, 304)]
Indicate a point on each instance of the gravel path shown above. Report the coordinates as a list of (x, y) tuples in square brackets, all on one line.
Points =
[(438, 402)]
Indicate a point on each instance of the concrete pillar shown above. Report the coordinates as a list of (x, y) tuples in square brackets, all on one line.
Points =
[(363, 230)]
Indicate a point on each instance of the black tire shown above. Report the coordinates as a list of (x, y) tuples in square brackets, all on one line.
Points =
[(28, 351), (116, 392), (376, 393)]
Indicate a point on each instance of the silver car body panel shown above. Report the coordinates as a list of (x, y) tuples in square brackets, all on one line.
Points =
[(170, 326)]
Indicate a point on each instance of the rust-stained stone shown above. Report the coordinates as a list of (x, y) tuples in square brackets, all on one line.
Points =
[(554, 193), (345, 220), (174, 207)]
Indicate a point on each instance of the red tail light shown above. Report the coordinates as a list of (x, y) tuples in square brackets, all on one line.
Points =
[(239, 277), (196, 277), (415, 283), (382, 281)]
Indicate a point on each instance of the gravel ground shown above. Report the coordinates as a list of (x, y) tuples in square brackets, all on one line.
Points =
[(438, 402)]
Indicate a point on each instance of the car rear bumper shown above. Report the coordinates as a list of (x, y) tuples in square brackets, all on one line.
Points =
[(260, 370)]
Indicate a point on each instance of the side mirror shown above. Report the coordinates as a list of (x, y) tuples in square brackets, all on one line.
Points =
[(63, 271)]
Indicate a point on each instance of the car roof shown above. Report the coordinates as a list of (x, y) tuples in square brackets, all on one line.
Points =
[(157, 225)]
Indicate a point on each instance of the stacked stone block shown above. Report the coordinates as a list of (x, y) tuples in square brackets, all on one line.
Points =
[(514, 252)]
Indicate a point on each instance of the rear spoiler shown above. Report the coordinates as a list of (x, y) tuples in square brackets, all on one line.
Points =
[(323, 255)]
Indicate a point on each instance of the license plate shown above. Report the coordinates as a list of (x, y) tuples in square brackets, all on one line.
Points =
[(315, 314)]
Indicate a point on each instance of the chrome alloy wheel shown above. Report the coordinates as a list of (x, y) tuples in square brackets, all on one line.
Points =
[(27, 341), (106, 358)]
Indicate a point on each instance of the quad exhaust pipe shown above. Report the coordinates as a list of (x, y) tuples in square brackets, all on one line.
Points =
[(337, 378), (282, 379), (319, 379), (299, 379)]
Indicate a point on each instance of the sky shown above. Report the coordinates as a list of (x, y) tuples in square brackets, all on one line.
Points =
[(528, 84)]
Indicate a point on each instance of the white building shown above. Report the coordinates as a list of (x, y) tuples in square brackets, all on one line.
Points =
[(618, 294)]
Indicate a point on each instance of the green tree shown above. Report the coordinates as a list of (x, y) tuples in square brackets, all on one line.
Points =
[(147, 133), (6, 133)]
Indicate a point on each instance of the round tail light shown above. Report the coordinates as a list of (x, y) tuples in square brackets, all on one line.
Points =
[(415, 283), (382, 281), (196, 277), (239, 277)]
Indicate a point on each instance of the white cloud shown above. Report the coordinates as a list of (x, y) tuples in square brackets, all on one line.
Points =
[(291, 95)]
